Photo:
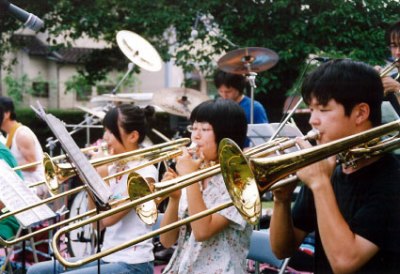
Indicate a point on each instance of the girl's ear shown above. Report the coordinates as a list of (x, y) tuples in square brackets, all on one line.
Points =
[(133, 137)]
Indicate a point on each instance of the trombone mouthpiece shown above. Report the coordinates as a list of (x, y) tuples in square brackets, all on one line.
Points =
[(313, 134), (192, 149)]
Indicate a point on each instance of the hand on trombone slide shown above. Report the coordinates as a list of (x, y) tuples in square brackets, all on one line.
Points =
[(318, 172)]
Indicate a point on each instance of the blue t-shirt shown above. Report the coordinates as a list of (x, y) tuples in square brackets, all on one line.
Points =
[(260, 116)]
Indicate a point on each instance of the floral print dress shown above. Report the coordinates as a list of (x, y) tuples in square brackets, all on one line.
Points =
[(223, 253)]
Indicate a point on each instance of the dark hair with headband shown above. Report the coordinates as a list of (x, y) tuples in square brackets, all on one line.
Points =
[(130, 118)]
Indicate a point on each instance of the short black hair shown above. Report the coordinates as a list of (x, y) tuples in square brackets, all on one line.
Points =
[(226, 117), (230, 80), (1, 114), (130, 118), (393, 33), (8, 106), (348, 83)]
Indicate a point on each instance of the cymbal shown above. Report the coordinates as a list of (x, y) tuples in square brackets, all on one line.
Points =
[(139, 50), (178, 101), (245, 60), (112, 98), (99, 113)]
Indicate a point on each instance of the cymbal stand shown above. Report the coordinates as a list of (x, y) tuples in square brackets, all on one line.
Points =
[(130, 69), (251, 78)]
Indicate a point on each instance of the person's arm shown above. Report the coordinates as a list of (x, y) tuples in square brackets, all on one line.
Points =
[(390, 85), (345, 250), (26, 145), (170, 237), (284, 237), (210, 225)]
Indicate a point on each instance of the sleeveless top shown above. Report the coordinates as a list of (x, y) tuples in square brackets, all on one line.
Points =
[(29, 176)]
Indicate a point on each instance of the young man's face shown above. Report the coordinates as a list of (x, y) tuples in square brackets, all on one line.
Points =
[(229, 93), (330, 120), (395, 46)]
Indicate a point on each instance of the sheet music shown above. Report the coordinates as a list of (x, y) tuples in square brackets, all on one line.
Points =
[(260, 133), (85, 170), (15, 194)]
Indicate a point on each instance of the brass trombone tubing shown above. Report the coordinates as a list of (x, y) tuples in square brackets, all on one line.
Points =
[(80, 188), (156, 149), (137, 240), (386, 70), (51, 227), (73, 191), (44, 201), (164, 156), (55, 158), (162, 189), (262, 173), (186, 180), (357, 154)]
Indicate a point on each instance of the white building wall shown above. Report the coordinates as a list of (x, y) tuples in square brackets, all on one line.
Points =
[(57, 74)]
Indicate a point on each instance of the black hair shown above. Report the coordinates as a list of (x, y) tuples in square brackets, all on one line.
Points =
[(8, 106), (1, 114), (130, 118), (226, 117), (393, 33), (348, 83), (230, 80)]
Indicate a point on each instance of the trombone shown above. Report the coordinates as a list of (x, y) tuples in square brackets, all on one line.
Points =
[(140, 192), (239, 179), (147, 213), (247, 179), (388, 69), (57, 173), (59, 157)]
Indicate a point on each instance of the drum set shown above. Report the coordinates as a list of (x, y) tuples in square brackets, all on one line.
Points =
[(177, 101)]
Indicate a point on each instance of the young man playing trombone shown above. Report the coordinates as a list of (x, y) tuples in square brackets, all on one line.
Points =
[(353, 209)]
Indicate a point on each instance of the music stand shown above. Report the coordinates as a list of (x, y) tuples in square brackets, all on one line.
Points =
[(98, 190), (261, 133), (15, 194)]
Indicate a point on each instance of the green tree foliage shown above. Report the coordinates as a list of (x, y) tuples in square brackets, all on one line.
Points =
[(293, 28)]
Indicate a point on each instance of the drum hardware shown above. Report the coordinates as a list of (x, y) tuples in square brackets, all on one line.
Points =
[(138, 50), (248, 61), (179, 101)]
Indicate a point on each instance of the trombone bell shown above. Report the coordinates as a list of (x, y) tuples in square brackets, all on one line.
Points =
[(240, 181), (246, 180)]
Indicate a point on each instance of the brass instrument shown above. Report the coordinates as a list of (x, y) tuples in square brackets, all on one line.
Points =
[(60, 157), (388, 69), (55, 174), (140, 192), (147, 212), (247, 179)]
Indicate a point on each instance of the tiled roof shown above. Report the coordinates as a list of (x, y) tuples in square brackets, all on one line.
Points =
[(33, 46)]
